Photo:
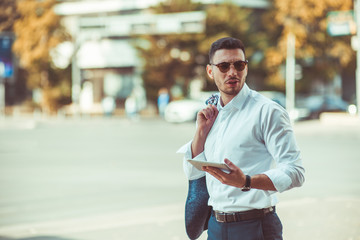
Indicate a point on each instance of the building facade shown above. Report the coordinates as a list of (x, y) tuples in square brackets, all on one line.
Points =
[(103, 55)]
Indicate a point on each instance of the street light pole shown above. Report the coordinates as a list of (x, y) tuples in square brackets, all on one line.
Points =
[(357, 16), (75, 72), (2, 90), (290, 74)]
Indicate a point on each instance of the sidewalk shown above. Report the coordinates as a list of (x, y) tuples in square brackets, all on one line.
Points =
[(343, 119)]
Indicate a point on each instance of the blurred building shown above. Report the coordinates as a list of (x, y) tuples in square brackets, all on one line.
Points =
[(103, 56)]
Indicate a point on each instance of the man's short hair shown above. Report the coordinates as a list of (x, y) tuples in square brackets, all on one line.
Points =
[(225, 43)]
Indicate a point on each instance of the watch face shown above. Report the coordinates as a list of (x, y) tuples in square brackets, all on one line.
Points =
[(245, 189)]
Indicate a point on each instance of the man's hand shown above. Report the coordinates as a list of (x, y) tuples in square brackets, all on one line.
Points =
[(235, 178), (205, 120)]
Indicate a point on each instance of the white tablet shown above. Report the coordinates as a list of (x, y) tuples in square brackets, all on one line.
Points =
[(200, 164)]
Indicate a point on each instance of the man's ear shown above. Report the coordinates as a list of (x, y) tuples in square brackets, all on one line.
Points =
[(209, 71)]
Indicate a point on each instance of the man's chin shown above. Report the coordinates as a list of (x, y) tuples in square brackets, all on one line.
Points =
[(232, 91)]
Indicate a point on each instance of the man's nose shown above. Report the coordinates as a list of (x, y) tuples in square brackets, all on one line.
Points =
[(232, 70)]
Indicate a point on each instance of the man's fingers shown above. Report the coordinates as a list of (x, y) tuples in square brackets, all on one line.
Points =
[(207, 113), (231, 165), (235, 178), (217, 173), (216, 111), (210, 112)]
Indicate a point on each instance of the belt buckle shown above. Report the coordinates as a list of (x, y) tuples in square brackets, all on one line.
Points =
[(223, 217), (268, 210), (218, 219)]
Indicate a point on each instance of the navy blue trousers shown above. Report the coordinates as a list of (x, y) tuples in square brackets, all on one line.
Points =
[(268, 228)]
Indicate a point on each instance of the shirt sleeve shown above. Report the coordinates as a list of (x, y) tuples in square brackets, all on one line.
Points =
[(190, 171), (280, 141)]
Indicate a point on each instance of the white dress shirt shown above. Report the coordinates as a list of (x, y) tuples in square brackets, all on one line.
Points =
[(254, 133)]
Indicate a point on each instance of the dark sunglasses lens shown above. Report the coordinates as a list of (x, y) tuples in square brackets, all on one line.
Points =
[(239, 65), (223, 67)]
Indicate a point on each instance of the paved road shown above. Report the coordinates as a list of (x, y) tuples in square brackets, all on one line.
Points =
[(113, 179)]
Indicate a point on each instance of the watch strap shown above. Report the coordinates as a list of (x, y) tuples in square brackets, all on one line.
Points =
[(247, 185)]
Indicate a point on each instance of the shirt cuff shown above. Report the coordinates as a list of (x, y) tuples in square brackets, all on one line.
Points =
[(281, 180), (191, 172)]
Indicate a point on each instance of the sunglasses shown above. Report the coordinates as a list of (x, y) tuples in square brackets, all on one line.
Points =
[(225, 66)]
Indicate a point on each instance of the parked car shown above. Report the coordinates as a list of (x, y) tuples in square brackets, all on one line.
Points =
[(186, 110), (325, 103), (298, 113), (183, 110)]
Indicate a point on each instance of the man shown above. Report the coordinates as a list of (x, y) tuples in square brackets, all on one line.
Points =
[(253, 136)]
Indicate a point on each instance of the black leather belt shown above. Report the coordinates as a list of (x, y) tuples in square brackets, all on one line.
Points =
[(242, 216)]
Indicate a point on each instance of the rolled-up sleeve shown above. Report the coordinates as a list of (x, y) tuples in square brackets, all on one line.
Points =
[(280, 141), (286, 177), (190, 171)]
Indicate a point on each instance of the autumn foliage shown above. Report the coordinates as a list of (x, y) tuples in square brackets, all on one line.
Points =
[(177, 59), (37, 30)]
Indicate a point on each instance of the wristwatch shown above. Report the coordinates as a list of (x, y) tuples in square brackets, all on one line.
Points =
[(247, 186)]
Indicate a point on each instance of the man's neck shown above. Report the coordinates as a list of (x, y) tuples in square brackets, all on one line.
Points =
[(224, 100)]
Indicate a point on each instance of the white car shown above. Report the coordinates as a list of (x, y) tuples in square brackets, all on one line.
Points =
[(186, 110), (183, 110)]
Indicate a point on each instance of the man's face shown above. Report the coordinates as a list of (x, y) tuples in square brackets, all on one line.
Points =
[(231, 82)]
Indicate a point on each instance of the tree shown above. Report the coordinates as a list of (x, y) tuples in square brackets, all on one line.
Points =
[(8, 15), (179, 58), (321, 55), (168, 59), (264, 33), (227, 19), (37, 31)]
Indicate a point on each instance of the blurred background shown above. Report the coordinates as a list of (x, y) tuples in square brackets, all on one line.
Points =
[(88, 57), (96, 97)]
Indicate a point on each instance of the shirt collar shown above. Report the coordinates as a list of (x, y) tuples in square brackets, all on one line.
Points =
[(238, 101)]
